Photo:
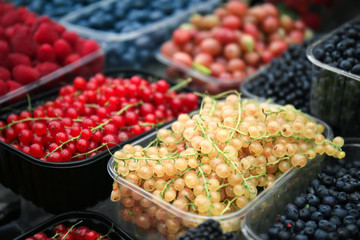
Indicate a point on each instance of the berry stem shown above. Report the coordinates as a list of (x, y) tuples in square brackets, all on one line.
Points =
[(181, 84), (173, 180), (62, 144)]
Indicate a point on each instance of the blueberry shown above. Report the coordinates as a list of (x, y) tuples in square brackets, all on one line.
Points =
[(273, 232), (313, 200), (341, 213), (356, 70), (299, 225), (317, 216), (309, 231), (284, 235), (304, 214), (325, 210), (352, 228), (345, 65), (321, 235), (329, 200), (301, 237), (319, 53), (343, 233)]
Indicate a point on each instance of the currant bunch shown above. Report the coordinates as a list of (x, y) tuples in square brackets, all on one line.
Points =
[(88, 117), (216, 161), (61, 232)]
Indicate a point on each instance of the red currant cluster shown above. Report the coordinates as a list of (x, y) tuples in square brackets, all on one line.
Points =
[(69, 233), (89, 117)]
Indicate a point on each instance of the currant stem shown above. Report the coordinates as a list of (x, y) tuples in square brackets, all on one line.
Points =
[(62, 144)]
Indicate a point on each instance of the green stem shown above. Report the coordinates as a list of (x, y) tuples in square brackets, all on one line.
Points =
[(228, 205), (173, 180), (181, 84), (62, 144)]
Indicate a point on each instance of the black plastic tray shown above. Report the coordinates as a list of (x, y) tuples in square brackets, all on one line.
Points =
[(60, 187), (92, 220)]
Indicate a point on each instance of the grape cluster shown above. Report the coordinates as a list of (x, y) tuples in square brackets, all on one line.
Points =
[(216, 161), (210, 230), (90, 116), (330, 208), (287, 80)]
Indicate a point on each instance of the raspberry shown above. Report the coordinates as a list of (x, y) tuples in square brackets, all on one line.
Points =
[(70, 37), (22, 41), (4, 74), (25, 74), (71, 58), (3, 88), (89, 47), (18, 59), (4, 49), (46, 68), (62, 49), (46, 34), (45, 53), (60, 29), (12, 85), (10, 19), (2, 34)]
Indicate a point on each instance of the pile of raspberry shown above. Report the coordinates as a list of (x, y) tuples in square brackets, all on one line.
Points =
[(32, 47)]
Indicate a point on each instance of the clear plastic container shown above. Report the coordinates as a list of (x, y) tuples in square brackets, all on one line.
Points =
[(154, 207), (335, 93), (134, 49), (201, 82), (85, 66), (264, 212)]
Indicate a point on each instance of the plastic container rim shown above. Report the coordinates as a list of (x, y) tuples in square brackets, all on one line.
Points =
[(312, 59), (195, 217), (118, 37), (53, 75), (248, 231)]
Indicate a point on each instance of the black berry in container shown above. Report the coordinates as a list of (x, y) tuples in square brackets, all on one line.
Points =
[(286, 80), (319, 202), (335, 89)]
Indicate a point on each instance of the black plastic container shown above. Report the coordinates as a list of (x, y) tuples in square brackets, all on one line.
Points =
[(66, 186), (92, 220)]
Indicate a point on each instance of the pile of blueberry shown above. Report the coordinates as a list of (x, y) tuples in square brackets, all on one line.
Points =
[(330, 209), (131, 15), (125, 16), (287, 80), (53, 8), (209, 230), (342, 50)]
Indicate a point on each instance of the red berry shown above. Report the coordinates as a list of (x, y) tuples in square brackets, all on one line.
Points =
[(25, 136), (181, 36), (131, 118), (54, 157), (82, 145), (40, 236)]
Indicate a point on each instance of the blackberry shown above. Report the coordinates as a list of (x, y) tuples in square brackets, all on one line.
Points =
[(287, 80), (209, 229)]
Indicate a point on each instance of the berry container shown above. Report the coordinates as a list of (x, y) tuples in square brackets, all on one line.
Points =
[(85, 66), (335, 93), (263, 214), (92, 220), (59, 187), (134, 49), (201, 82), (229, 222)]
